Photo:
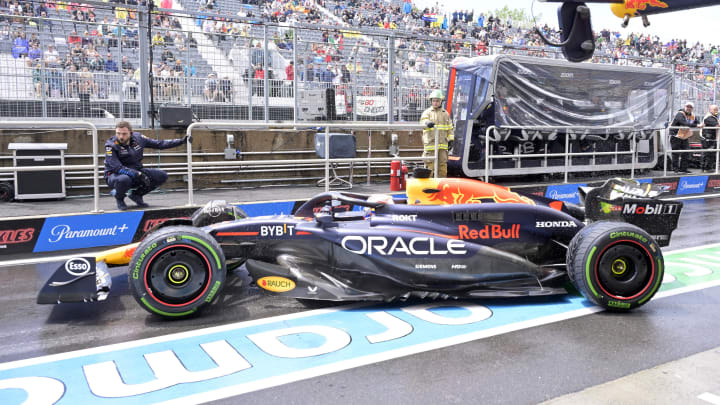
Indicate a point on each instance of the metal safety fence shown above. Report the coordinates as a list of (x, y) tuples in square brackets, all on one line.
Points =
[(227, 64)]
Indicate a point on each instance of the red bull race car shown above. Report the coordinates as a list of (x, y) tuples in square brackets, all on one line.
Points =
[(450, 238)]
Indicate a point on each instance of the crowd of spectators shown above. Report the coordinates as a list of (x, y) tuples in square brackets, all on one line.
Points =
[(92, 45)]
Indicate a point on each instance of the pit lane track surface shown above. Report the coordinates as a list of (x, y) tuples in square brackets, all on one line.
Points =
[(513, 357)]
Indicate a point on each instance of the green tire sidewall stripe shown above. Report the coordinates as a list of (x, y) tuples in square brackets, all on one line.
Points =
[(157, 311), (587, 272), (657, 283), (202, 242)]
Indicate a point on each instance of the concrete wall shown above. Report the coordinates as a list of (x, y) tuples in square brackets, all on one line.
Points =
[(282, 143)]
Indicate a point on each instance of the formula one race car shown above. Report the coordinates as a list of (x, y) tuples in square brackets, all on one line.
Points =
[(451, 238)]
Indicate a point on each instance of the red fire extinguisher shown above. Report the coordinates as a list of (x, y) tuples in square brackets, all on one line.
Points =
[(404, 174), (395, 175)]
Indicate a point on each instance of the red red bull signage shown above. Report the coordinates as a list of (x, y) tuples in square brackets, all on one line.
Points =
[(489, 232), (644, 4)]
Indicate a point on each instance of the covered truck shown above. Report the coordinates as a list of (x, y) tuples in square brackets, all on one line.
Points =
[(522, 109)]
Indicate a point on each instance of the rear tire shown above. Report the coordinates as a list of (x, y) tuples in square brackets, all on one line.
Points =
[(176, 271), (615, 265)]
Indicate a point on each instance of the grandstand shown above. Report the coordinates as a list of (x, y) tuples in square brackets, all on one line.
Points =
[(60, 59)]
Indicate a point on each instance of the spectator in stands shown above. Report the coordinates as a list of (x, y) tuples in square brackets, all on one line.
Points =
[(46, 23), (20, 46), (110, 65), (34, 40), (327, 75), (257, 56), (5, 32), (190, 70), (97, 64), (258, 88), (191, 42), (709, 138), (211, 88), (73, 81), (226, 90), (178, 68), (158, 40), (345, 74), (310, 73), (167, 56), (35, 53), (38, 81), (290, 71), (74, 38), (127, 67), (87, 84), (52, 58), (112, 41), (68, 62), (123, 164), (679, 137)]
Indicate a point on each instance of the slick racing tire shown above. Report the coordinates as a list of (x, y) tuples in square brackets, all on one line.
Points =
[(615, 265), (176, 271)]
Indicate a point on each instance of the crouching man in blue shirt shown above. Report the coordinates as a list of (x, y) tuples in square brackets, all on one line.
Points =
[(123, 164)]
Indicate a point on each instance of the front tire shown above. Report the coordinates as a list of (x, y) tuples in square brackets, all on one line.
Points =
[(176, 271), (615, 265)]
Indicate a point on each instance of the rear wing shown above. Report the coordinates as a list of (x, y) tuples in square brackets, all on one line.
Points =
[(635, 203)]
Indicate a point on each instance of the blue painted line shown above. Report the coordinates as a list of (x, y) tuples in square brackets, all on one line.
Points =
[(134, 368)]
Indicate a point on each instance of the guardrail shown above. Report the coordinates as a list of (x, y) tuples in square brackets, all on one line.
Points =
[(234, 126), (668, 148), (61, 125), (570, 131)]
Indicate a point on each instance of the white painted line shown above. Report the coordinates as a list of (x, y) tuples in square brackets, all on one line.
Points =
[(49, 259), (692, 197), (405, 351), (375, 358), (711, 398), (175, 336)]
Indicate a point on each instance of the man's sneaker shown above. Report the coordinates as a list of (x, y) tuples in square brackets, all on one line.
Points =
[(138, 200), (121, 204)]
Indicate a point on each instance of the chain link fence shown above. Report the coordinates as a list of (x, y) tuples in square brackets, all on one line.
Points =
[(110, 62)]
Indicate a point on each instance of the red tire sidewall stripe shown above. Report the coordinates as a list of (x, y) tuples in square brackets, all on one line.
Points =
[(207, 285), (652, 274)]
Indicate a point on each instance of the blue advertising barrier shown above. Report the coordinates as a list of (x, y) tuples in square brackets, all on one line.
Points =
[(46, 234), (84, 231)]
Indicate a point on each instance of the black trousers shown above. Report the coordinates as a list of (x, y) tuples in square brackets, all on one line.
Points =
[(122, 182), (680, 160), (708, 159)]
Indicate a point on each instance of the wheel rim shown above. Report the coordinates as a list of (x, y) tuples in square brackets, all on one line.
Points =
[(624, 271), (177, 276)]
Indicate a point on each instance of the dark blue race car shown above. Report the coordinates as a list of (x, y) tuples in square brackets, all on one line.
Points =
[(450, 238)]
